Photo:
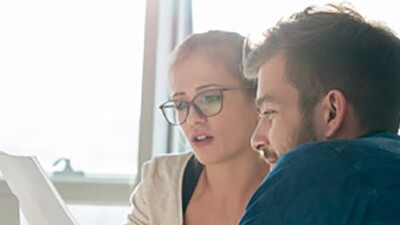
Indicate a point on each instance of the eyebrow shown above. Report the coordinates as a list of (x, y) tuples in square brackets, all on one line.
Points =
[(178, 94), (266, 98), (207, 86), (200, 88)]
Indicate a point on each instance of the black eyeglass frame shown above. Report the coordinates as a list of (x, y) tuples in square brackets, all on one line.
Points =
[(171, 103)]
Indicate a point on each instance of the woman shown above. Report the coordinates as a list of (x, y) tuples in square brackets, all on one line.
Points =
[(214, 105)]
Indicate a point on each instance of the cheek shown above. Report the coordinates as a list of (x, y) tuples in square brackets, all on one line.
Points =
[(279, 132), (246, 109), (319, 125), (237, 123), (185, 129), (244, 118)]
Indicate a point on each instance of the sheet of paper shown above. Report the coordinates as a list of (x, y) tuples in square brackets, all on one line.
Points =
[(40, 202), (9, 206)]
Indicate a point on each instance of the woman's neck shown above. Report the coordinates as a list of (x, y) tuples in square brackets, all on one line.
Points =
[(235, 179)]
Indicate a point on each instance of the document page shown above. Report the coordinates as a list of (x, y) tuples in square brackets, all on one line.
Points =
[(40, 202)]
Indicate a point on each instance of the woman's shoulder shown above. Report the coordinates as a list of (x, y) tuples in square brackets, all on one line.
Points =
[(171, 159), (167, 164)]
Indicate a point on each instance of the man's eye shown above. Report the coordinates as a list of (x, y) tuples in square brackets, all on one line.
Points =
[(266, 113), (269, 112)]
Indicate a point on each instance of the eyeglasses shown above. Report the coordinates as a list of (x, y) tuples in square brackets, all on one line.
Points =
[(207, 103)]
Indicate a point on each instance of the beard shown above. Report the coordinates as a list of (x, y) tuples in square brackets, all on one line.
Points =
[(305, 133)]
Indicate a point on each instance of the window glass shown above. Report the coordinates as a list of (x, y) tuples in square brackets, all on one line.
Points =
[(70, 84), (252, 17)]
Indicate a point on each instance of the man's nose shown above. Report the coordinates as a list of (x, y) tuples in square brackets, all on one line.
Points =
[(259, 139)]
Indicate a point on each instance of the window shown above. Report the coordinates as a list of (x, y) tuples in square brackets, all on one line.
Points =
[(70, 87), (252, 17)]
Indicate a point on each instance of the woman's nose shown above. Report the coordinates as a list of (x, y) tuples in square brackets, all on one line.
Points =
[(195, 116)]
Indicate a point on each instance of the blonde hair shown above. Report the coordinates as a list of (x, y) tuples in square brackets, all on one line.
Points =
[(223, 47)]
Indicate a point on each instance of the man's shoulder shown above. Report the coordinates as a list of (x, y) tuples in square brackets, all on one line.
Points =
[(382, 144), (334, 179), (371, 160)]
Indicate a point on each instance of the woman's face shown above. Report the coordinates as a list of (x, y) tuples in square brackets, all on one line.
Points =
[(225, 135)]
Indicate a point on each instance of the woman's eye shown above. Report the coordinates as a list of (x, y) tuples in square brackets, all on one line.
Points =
[(211, 99), (180, 106)]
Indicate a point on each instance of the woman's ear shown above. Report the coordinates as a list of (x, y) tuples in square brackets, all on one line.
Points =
[(335, 106)]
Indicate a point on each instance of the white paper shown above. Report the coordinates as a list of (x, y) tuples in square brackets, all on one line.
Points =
[(39, 200)]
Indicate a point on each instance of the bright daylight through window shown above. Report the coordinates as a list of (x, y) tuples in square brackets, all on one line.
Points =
[(70, 82), (252, 17), (70, 88)]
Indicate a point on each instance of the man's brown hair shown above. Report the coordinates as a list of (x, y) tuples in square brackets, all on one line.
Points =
[(334, 47)]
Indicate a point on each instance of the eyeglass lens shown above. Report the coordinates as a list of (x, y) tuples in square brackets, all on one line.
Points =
[(207, 103)]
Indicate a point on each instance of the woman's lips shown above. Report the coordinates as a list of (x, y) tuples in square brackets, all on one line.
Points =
[(201, 140)]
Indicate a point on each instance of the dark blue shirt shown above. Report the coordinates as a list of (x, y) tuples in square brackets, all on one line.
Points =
[(343, 182)]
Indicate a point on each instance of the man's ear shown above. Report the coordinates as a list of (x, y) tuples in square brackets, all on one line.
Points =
[(335, 106)]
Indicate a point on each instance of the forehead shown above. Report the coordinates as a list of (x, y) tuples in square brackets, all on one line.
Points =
[(273, 86), (199, 69)]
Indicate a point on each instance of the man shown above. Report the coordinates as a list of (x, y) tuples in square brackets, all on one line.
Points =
[(329, 104)]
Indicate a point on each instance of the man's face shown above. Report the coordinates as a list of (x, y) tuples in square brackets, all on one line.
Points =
[(282, 125)]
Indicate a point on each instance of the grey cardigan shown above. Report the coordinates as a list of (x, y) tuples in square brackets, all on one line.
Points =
[(157, 200)]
